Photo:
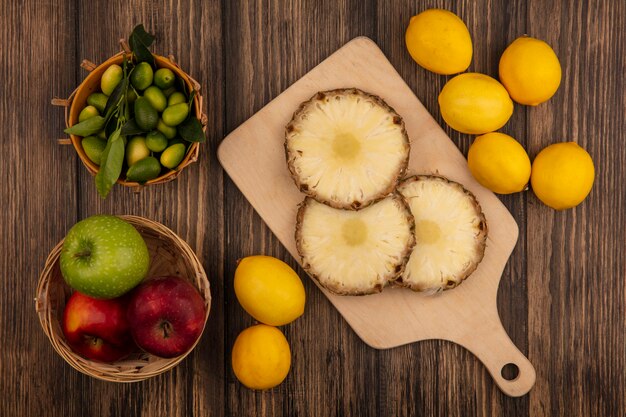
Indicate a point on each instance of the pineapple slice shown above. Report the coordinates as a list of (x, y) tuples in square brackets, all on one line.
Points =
[(355, 252), (450, 233), (346, 148)]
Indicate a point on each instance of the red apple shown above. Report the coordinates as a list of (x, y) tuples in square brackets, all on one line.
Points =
[(97, 329), (166, 316)]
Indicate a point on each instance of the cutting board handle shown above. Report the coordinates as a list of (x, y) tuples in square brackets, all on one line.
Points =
[(495, 349)]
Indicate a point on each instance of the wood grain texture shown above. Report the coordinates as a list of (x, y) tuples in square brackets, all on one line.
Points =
[(577, 300), (36, 189), (561, 297)]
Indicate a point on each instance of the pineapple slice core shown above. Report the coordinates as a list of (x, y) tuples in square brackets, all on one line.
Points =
[(450, 233), (355, 252), (427, 232), (346, 146), (354, 232)]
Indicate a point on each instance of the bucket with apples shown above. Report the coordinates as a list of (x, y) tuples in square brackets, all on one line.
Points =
[(123, 298)]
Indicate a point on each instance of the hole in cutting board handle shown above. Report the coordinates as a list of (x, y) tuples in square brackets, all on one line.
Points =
[(510, 372)]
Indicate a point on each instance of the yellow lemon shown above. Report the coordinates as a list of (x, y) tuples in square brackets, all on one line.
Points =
[(439, 41), (530, 71), (475, 103), (261, 357), (562, 175), (269, 290), (499, 162)]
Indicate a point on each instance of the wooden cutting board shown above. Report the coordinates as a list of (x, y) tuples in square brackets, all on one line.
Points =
[(253, 156)]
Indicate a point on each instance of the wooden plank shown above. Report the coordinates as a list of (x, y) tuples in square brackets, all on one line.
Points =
[(444, 370), (271, 44), (191, 206), (38, 194), (577, 325)]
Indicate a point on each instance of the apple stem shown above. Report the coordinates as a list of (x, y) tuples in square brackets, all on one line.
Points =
[(166, 326), (94, 341), (83, 254)]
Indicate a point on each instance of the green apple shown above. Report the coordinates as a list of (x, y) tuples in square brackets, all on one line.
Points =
[(104, 257)]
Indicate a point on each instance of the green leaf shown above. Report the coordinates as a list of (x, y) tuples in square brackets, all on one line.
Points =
[(110, 164), (139, 32), (141, 52), (139, 42), (191, 97), (116, 97), (87, 127), (191, 130), (111, 126), (182, 85), (131, 128)]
